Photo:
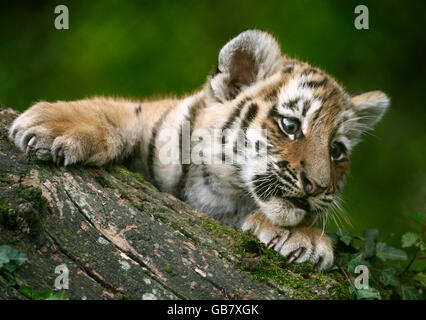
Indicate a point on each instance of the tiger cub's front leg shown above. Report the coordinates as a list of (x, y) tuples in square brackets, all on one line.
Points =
[(92, 131), (299, 243)]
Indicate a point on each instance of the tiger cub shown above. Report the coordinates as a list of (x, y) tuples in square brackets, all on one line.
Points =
[(264, 145)]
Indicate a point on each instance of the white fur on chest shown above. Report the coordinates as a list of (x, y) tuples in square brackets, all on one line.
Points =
[(219, 199)]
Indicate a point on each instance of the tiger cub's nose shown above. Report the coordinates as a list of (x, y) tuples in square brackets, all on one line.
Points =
[(309, 185)]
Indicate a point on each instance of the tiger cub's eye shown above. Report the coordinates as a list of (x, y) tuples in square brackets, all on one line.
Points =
[(337, 150), (290, 125)]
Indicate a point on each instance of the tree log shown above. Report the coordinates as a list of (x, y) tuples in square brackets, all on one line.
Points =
[(121, 238)]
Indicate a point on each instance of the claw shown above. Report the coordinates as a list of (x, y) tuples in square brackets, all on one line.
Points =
[(31, 143), (273, 242), (280, 241), (295, 255)]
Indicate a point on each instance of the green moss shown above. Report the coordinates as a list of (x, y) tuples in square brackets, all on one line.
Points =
[(3, 208), (298, 281), (169, 271), (137, 206), (341, 292), (127, 173), (5, 217), (216, 228)]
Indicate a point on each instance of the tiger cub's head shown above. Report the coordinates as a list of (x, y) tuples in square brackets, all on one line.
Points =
[(311, 125)]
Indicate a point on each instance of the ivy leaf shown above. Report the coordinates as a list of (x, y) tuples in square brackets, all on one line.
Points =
[(26, 291), (4, 259), (370, 236), (43, 295), (61, 295), (368, 294), (388, 276), (10, 259), (345, 236), (409, 239), (356, 261), (385, 252), (410, 293)]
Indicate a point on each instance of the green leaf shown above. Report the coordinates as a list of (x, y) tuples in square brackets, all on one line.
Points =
[(410, 293), (370, 236), (61, 295), (356, 261), (42, 295), (385, 252), (10, 259), (26, 291), (409, 239), (345, 236), (388, 276), (368, 294), (4, 259)]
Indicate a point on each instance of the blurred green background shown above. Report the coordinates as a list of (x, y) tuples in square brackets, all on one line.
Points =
[(139, 48)]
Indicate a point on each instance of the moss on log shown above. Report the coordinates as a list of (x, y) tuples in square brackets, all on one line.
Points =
[(121, 238)]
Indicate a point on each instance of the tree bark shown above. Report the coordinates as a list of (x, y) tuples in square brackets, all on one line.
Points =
[(121, 238)]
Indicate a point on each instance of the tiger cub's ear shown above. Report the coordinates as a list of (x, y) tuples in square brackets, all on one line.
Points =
[(367, 109), (249, 57)]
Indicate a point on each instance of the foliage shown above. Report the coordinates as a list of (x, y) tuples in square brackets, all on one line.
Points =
[(388, 279), (409, 239), (42, 295), (10, 260)]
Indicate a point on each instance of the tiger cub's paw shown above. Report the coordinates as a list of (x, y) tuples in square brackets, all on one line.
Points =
[(298, 244), (53, 127)]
